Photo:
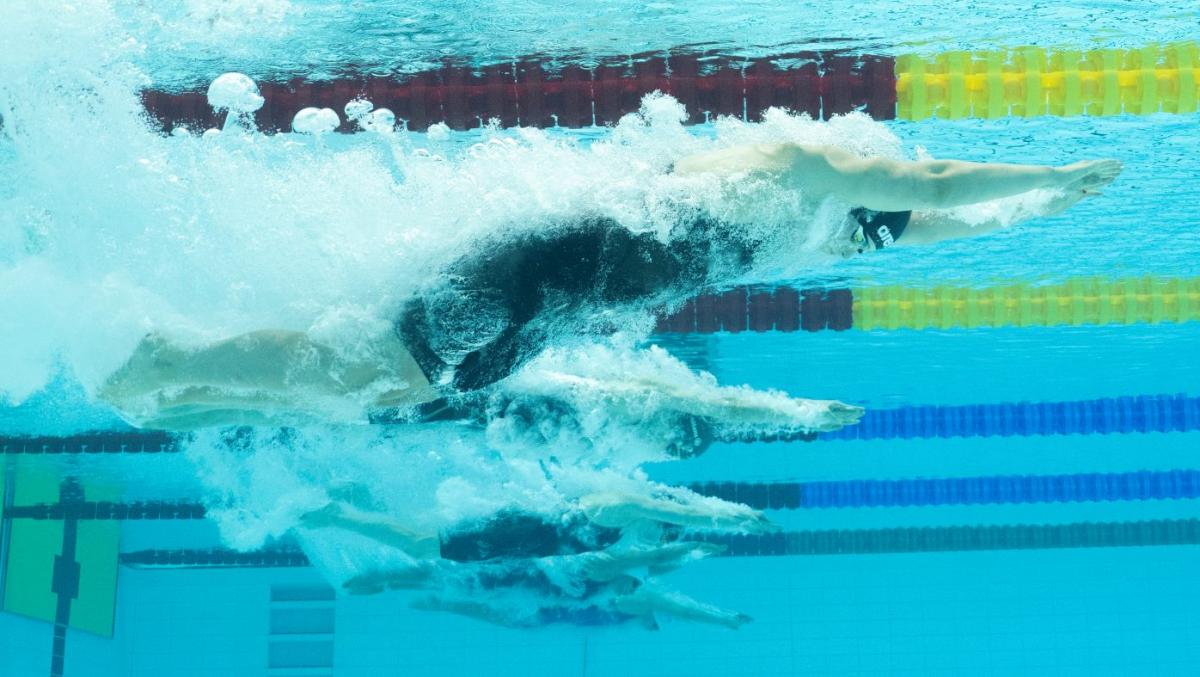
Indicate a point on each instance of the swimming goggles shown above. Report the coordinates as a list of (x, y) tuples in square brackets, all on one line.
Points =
[(859, 240)]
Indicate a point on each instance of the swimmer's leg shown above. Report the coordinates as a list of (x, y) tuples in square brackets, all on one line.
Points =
[(647, 600), (257, 374), (377, 527)]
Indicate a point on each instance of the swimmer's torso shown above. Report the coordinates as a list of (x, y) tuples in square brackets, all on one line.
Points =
[(495, 308)]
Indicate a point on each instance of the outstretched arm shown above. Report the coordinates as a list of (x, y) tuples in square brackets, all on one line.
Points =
[(884, 184), (377, 527), (927, 227), (648, 600)]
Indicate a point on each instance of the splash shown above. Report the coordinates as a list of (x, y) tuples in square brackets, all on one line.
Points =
[(110, 231)]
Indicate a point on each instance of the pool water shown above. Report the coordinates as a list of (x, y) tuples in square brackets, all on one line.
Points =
[(1033, 548)]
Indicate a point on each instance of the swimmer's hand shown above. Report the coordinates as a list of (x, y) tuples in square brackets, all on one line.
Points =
[(1088, 175), (837, 415), (1089, 178), (1064, 201), (326, 516)]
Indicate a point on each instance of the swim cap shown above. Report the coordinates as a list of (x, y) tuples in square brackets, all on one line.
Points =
[(882, 228)]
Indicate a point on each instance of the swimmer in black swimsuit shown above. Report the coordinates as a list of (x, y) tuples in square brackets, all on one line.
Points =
[(493, 310), (593, 549)]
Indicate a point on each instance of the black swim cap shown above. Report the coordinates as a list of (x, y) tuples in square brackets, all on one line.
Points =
[(883, 228)]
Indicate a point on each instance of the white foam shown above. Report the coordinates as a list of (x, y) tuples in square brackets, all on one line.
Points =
[(235, 93), (357, 109), (110, 229), (438, 131), (315, 121), (380, 120)]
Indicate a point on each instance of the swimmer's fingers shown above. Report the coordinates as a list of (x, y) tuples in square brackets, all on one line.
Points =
[(322, 517), (757, 523), (838, 415), (1090, 174), (1102, 173)]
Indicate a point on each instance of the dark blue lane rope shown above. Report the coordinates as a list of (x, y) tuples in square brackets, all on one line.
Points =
[(961, 538), (1124, 415), (824, 542), (1129, 486), (1135, 414)]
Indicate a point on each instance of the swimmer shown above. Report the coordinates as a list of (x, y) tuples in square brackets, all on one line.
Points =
[(556, 574), (492, 311), (622, 600), (603, 520), (576, 568)]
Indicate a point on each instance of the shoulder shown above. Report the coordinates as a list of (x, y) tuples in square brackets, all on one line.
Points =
[(744, 158)]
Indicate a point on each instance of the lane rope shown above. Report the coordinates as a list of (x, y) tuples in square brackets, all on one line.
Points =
[(800, 543), (1076, 302), (1104, 416), (1004, 489)]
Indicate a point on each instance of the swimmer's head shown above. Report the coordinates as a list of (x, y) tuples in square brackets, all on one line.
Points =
[(859, 242), (853, 245), (876, 230)]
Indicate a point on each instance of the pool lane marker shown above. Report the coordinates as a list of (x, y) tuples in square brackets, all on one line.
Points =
[(1002, 489), (1103, 416), (961, 538), (1021, 82), (965, 538), (533, 92), (1034, 81), (1144, 485), (1075, 302)]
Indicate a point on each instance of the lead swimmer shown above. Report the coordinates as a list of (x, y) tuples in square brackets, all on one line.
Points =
[(490, 311)]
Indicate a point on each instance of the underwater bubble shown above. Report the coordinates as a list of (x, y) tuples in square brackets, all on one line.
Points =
[(358, 109), (380, 120), (315, 121), (234, 92)]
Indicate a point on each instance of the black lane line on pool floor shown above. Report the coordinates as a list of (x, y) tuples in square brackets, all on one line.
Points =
[(10, 471), (65, 580)]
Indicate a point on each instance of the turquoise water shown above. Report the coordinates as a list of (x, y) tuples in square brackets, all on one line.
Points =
[(110, 230)]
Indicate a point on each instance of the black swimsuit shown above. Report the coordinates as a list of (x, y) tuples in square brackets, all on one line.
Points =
[(492, 310)]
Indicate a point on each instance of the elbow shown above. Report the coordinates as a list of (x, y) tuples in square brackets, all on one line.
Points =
[(930, 188)]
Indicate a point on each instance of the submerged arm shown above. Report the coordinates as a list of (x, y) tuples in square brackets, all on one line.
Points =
[(927, 227), (885, 184), (647, 600), (376, 527)]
